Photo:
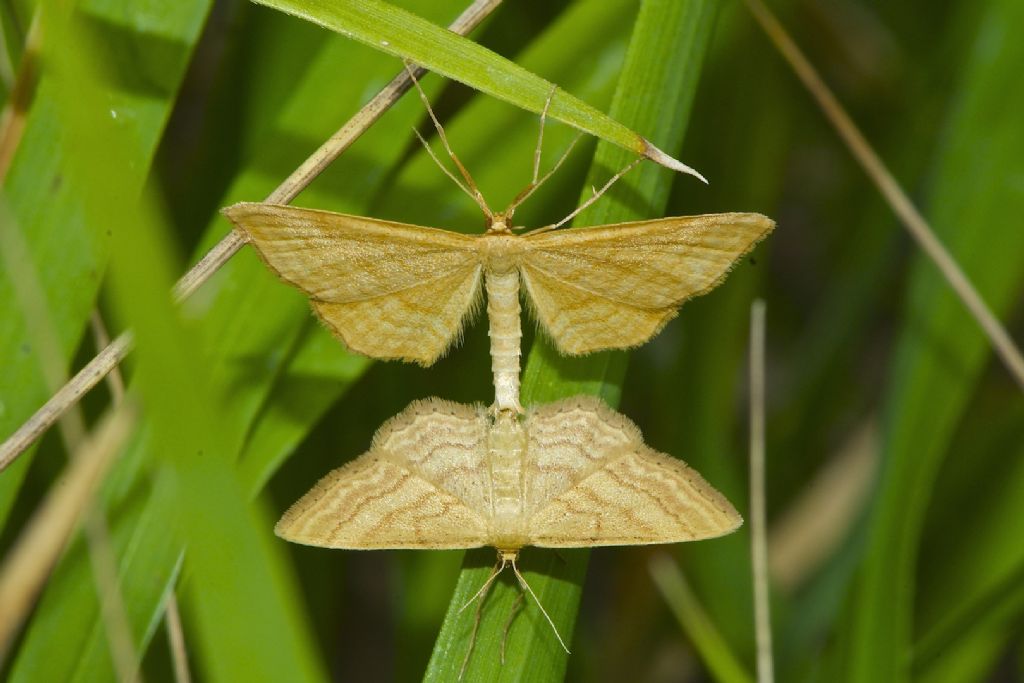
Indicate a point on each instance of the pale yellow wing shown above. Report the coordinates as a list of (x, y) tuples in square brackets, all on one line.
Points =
[(616, 286), (388, 290), (421, 485), (591, 482)]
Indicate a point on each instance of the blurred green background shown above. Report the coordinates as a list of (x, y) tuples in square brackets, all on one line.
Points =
[(895, 438)]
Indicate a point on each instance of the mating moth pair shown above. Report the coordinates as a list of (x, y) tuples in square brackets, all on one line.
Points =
[(442, 475)]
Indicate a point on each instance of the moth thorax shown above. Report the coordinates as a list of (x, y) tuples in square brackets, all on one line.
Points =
[(506, 446), (506, 337)]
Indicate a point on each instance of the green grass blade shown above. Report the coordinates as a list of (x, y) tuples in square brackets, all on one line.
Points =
[(940, 351), (244, 608), (63, 247), (254, 328), (969, 600), (655, 92), (977, 624), (686, 381), (714, 649), (403, 34), (495, 142), (318, 373)]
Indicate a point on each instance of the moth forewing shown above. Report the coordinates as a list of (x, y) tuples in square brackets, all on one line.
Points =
[(615, 286), (388, 290)]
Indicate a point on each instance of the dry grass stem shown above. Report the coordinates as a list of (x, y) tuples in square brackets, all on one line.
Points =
[(112, 608), (101, 338), (758, 523), (883, 179), (101, 550), (65, 397), (107, 359), (42, 540), (30, 298), (12, 119), (176, 641)]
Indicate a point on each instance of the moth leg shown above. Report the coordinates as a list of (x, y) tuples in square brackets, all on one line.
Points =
[(540, 133), (516, 606), (477, 613), (535, 182), (526, 587), (597, 195)]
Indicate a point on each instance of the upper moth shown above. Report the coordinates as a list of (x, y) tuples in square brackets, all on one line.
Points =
[(397, 291)]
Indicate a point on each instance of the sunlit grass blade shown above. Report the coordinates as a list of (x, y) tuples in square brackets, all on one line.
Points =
[(395, 31), (242, 603), (247, 316), (940, 350), (655, 91), (64, 247)]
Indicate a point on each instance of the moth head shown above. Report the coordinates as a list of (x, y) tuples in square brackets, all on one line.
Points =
[(500, 223)]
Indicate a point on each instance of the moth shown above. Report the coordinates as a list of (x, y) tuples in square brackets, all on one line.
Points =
[(569, 474), (398, 291)]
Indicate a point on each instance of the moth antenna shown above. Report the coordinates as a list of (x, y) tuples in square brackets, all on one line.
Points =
[(529, 189), (444, 168), (594, 198), (526, 587), (473, 191), (498, 567), (516, 606)]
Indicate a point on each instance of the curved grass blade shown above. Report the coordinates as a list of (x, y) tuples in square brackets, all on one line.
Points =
[(48, 207), (695, 622), (253, 327), (245, 615), (940, 351), (403, 34), (969, 600), (655, 91), (984, 618), (495, 142)]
